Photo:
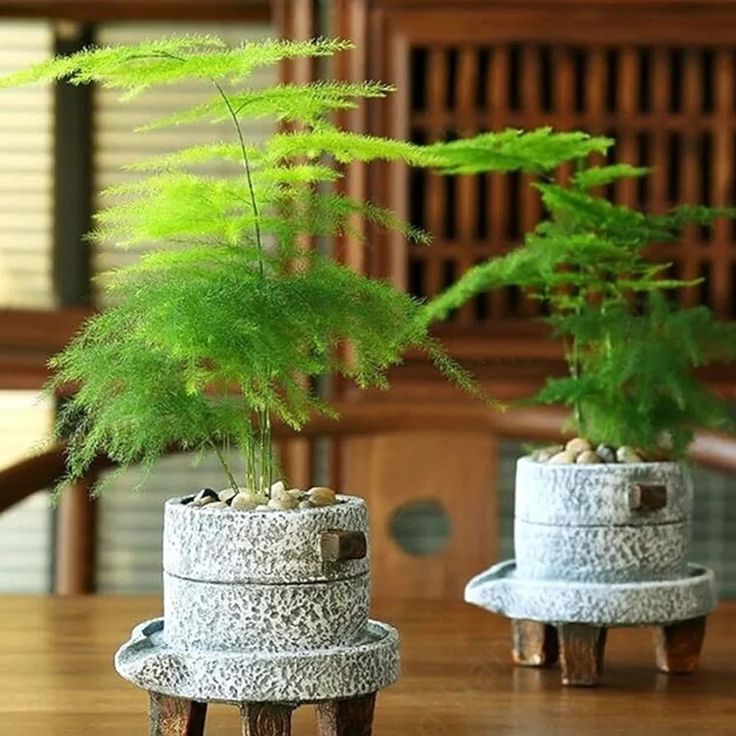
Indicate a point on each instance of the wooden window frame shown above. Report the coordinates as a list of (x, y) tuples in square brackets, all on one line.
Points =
[(28, 338), (96, 11)]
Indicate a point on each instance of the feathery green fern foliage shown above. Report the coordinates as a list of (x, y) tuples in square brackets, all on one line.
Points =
[(631, 353), (210, 340)]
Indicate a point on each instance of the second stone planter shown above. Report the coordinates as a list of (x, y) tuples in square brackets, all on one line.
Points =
[(602, 523), (599, 546)]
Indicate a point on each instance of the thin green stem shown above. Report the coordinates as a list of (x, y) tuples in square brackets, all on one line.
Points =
[(251, 464), (574, 359), (264, 426), (248, 174), (244, 151), (575, 373), (261, 439), (267, 449), (245, 448), (266, 460), (225, 465)]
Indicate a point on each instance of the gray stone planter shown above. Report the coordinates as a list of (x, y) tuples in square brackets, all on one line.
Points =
[(599, 545), (258, 607), (585, 522), (257, 580)]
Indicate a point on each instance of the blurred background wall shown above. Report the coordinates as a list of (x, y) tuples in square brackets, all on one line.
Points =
[(660, 77)]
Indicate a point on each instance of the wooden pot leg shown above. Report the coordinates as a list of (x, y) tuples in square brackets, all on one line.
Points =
[(534, 644), (678, 646), (581, 652), (353, 717), (169, 716), (266, 719)]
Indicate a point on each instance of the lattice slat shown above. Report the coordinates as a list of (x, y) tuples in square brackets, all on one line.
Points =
[(689, 258), (467, 186), (657, 136), (500, 82), (628, 100), (721, 179), (531, 104), (437, 78), (595, 97)]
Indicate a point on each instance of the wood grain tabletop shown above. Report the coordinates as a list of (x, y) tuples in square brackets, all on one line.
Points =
[(56, 677)]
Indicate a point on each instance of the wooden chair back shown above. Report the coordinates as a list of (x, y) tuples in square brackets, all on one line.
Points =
[(452, 472)]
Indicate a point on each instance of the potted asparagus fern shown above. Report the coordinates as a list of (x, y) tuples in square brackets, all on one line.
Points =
[(217, 331), (602, 524)]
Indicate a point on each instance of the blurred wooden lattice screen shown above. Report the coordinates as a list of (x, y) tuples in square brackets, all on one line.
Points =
[(660, 77), (671, 108)]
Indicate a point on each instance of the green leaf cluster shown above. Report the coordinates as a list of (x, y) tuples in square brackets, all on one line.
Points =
[(137, 67), (631, 353), (224, 325), (635, 382), (536, 151)]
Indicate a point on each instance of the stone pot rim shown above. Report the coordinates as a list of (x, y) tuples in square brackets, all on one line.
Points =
[(230, 545), (175, 505), (599, 467), (600, 494)]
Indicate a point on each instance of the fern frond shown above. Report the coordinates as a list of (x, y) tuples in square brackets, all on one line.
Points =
[(140, 66), (214, 332), (515, 150), (308, 103), (112, 63), (347, 147), (195, 155), (597, 176)]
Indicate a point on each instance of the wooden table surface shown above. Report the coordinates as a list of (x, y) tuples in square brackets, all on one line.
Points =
[(56, 677)]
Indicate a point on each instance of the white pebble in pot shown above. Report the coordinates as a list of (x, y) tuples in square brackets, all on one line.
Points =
[(205, 496), (626, 454), (226, 495), (284, 502), (277, 488), (577, 445), (587, 457), (546, 453), (321, 496), (562, 457), (247, 501)]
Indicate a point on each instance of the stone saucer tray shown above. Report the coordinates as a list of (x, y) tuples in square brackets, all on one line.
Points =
[(634, 603), (367, 665)]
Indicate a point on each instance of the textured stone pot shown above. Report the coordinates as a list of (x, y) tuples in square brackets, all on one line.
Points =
[(599, 546), (602, 523), (257, 580), (264, 607), (602, 544)]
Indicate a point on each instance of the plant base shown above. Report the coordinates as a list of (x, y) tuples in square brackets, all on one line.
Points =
[(554, 619)]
